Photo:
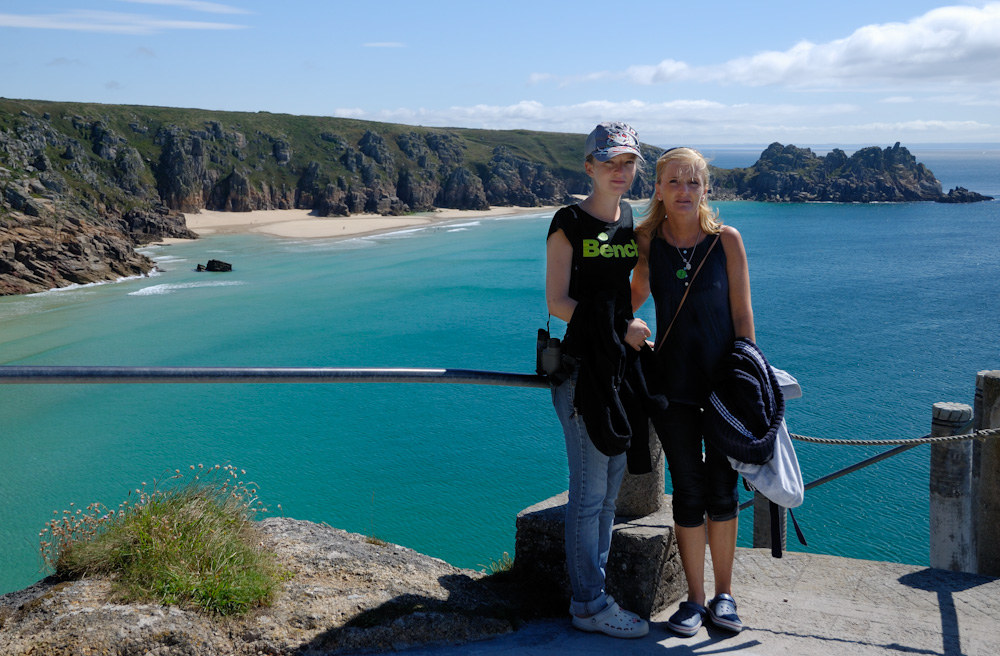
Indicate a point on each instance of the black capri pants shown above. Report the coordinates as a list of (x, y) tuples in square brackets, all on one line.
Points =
[(702, 484)]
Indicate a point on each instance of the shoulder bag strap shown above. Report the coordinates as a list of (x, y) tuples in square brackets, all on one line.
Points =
[(688, 290)]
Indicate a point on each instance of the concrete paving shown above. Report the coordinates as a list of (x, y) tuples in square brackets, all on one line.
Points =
[(801, 605)]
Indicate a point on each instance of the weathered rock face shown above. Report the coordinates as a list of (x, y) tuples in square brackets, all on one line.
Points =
[(343, 594), (37, 258), (516, 181), (73, 205), (463, 190)]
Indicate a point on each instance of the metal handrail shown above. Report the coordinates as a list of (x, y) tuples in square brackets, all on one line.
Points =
[(29, 375), (25, 375)]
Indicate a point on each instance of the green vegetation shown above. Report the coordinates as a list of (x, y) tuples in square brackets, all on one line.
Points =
[(140, 125), (189, 543), (505, 564)]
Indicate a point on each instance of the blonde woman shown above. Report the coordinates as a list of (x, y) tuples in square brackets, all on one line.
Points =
[(677, 236)]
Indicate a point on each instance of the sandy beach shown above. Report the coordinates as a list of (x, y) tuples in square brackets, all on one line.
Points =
[(302, 224)]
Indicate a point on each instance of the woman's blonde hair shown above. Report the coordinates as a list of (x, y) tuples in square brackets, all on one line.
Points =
[(655, 213)]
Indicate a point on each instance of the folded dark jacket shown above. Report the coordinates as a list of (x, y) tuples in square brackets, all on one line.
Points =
[(612, 389), (644, 400), (746, 405)]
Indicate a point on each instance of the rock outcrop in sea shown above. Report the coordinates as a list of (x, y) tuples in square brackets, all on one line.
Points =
[(872, 174), (81, 186)]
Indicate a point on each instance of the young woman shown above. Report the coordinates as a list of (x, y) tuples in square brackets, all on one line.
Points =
[(678, 235), (590, 252)]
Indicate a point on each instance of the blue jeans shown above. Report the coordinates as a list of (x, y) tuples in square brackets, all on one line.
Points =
[(594, 479)]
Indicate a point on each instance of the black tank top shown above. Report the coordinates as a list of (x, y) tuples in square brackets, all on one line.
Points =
[(703, 332)]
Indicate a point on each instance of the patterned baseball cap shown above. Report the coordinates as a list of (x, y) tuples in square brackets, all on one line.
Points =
[(610, 139)]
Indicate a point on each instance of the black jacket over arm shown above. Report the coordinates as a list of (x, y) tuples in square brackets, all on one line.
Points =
[(613, 390)]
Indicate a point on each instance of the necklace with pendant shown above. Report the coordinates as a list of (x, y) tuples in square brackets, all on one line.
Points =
[(682, 273)]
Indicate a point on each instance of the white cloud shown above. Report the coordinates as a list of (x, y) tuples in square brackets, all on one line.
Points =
[(64, 61), (106, 22), (898, 100), (530, 114), (193, 5), (667, 70), (950, 45), (539, 78), (349, 112), (693, 121)]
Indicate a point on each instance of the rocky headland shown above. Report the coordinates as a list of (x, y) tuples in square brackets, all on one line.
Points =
[(82, 185), (870, 175)]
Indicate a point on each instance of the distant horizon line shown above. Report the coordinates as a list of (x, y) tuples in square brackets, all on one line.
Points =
[(930, 145)]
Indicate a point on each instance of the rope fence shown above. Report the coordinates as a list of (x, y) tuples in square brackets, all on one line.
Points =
[(926, 439)]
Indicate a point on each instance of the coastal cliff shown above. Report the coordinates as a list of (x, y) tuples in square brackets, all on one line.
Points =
[(82, 185)]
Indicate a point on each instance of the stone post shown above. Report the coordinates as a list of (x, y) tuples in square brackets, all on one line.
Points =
[(988, 524), (952, 513), (643, 495), (644, 571), (977, 458)]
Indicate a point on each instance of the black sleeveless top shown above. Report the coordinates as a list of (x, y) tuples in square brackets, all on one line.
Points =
[(703, 332)]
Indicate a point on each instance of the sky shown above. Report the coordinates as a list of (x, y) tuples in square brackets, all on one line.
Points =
[(853, 72)]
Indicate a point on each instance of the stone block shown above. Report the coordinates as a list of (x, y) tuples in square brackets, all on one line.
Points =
[(644, 572), (643, 494)]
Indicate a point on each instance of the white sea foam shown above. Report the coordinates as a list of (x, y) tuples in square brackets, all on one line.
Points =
[(525, 217), (76, 288), (397, 234), (353, 243), (321, 245), (14, 309), (169, 259), (170, 288)]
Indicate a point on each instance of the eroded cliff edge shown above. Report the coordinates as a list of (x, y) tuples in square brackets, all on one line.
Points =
[(343, 593)]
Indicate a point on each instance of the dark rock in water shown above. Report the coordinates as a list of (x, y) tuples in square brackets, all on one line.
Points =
[(218, 265), (200, 267), (963, 195)]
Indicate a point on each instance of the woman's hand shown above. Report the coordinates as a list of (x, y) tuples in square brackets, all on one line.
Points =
[(637, 333)]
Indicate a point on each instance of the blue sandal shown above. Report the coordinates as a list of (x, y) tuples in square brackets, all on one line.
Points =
[(722, 612), (688, 619)]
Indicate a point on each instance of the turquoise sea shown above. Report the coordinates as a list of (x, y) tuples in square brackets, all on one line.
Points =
[(879, 311)]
